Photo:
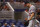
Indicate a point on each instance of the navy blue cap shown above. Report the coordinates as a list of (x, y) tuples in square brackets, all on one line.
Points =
[(26, 2)]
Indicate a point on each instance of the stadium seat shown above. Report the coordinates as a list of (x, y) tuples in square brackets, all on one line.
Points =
[(21, 26)]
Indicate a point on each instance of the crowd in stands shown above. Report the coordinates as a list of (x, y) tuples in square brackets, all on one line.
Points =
[(4, 7), (11, 23), (37, 2), (20, 0)]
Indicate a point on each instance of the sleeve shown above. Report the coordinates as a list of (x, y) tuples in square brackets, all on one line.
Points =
[(33, 10)]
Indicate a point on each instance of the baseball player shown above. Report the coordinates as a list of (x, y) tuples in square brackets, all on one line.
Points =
[(31, 16)]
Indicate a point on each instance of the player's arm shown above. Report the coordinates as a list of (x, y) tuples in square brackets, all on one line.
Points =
[(32, 15)]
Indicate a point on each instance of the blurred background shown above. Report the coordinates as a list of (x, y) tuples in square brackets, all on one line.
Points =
[(14, 12)]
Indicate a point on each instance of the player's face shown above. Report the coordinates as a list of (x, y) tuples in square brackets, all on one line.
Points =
[(27, 4)]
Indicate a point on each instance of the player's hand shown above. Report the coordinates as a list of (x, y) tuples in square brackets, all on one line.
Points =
[(25, 18)]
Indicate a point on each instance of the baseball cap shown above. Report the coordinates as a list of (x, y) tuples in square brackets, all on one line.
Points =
[(26, 2)]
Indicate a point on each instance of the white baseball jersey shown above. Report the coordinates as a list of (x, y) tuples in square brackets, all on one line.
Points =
[(31, 9)]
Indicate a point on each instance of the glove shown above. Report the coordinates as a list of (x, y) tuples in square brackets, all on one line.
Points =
[(26, 23)]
